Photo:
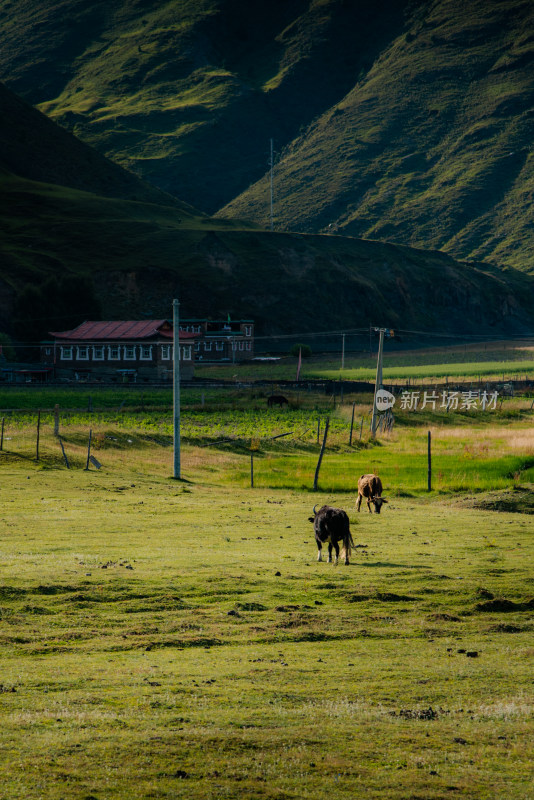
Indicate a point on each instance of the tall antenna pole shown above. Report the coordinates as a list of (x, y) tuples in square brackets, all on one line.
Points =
[(176, 385), (378, 381), (271, 162)]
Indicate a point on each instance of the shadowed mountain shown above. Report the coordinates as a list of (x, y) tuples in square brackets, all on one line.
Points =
[(32, 146), (65, 252)]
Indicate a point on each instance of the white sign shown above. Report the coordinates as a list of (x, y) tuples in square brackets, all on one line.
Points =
[(384, 400)]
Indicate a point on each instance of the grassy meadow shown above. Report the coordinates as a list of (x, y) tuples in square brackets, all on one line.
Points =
[(478, 361), (165, 639)]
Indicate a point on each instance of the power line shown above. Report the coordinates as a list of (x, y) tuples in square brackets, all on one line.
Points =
[(518, 337)]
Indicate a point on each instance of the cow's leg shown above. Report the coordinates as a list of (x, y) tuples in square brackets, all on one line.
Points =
[(319, 548), (336, 548), (329, 552), (358, 504), (369, 499)]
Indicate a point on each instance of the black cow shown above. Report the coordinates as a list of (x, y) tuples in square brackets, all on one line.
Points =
[(332, 525), (277, 400)]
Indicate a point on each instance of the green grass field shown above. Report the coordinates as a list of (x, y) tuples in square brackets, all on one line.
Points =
[(491, 361), (165, 639)]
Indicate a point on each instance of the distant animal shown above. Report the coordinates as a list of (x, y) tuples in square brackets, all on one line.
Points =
[(277, 400), (370, 487), (331, 525)]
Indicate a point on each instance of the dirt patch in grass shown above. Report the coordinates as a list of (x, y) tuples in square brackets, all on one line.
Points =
[(518, 500), (503, 605), (409, 713), (383, 597), (503, 628)]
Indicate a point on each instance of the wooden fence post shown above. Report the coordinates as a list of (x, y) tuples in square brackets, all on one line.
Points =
[(56, 420), (429, 461), (2, 434), (352, 423), (361, 429), (89, 449), (316, 479), (64, 453)]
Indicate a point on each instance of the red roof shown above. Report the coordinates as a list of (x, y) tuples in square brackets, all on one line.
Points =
[(121, 329)]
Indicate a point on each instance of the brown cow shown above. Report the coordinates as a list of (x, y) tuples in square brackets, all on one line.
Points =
[(370, 487)]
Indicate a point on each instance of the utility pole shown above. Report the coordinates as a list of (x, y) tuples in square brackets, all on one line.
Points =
[(271, 163), (176, 385), (378, 381)]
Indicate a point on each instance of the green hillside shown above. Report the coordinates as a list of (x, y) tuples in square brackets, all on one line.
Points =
[(432, 147), (402, 120)]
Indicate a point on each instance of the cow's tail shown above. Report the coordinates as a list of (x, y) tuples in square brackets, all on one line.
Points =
[(348, 544)]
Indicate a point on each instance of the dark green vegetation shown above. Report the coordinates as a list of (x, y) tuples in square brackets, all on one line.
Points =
[(172, 639), (401, 120)]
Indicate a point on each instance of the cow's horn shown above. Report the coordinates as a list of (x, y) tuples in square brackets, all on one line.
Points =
[(314, 511)]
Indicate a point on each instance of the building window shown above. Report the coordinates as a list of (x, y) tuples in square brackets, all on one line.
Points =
[(186, 353), (48, 351), (166, 354), (66, 353), (114, 352), (219, 345), (241, 344), (197, 347), (98, 352), (207, 346), (248, 345), (234, 344), (146, 352), (248, 330), (129, 352), (82, 353)]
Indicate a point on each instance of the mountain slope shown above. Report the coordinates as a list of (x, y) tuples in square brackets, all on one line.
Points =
[(406, 120), (139, 256), (431, 148), (33, 146), (188, 93), (65, 251)]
